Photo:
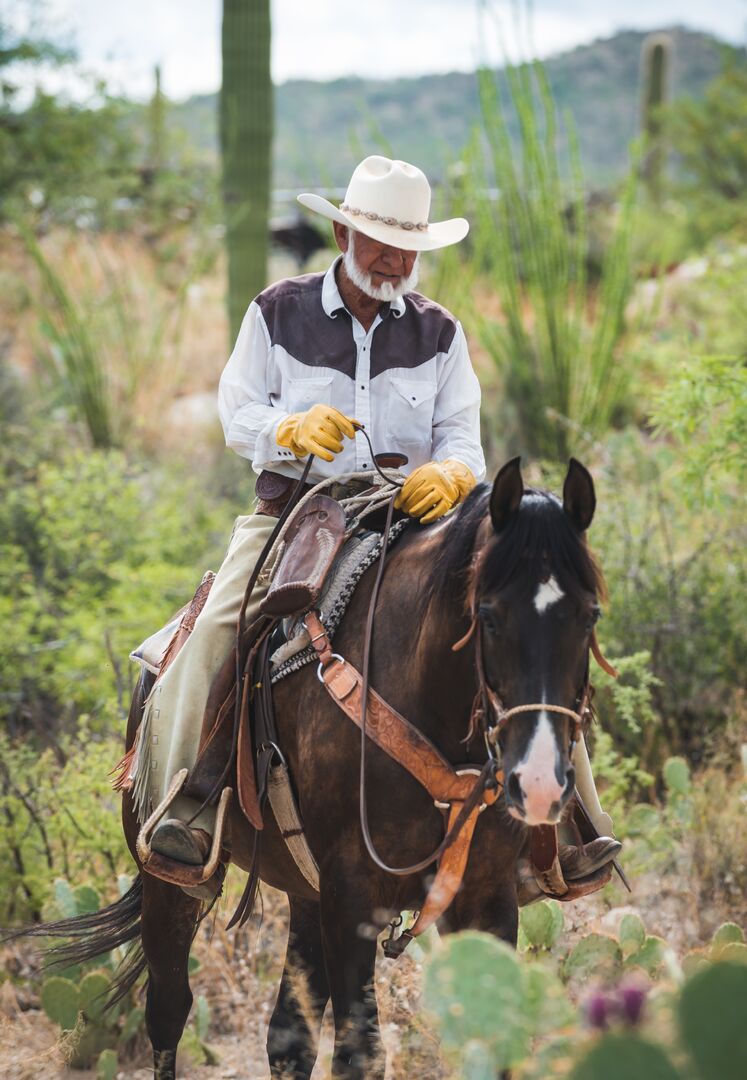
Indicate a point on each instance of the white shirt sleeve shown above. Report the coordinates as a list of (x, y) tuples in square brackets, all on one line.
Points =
[(456, 416), (249, 418)]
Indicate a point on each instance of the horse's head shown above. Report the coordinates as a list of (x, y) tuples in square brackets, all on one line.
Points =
[(537, 591)]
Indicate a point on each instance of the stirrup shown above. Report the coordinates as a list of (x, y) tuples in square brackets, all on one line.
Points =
[(548, 872), (171, 870)]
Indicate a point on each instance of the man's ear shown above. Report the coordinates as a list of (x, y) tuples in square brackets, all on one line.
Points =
[(342, 235)]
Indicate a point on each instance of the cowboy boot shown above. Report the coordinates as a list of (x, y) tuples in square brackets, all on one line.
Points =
[(176, 840), (577, 863)]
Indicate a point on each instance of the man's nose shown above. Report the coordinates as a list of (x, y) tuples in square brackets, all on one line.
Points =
[(393, 257)]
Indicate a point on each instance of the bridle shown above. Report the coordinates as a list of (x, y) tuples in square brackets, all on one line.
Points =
[(490, 715)]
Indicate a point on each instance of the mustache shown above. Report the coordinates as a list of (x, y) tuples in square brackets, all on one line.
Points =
[(387, 291)]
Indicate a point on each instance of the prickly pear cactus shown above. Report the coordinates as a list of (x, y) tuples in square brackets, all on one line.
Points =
[(60, 1000), (542, 924), (547, 1006), (474, 986), (632, 934), (93, 990), (107, 1065), (64, 898), (676, 773), (87, 900), (727, 934), (711, 1015), (597, 957), (620, 1057), (651, 956)]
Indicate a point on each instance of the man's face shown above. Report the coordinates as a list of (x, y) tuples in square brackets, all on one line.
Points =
[(388, 272)]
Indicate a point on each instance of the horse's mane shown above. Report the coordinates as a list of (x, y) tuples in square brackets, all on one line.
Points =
[(538, 541)]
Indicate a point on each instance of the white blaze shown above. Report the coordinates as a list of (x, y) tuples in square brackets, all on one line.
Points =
[(549, 592), (536, 773)]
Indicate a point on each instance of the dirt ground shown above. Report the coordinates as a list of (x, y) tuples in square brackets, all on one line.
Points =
[(239, 974)]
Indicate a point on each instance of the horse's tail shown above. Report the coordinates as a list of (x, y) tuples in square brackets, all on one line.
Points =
[(94, 935)]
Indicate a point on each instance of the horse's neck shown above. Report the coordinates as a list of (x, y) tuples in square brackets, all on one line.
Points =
[(439, 683)]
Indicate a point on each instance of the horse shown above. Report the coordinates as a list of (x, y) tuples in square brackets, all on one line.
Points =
[(513, 562)]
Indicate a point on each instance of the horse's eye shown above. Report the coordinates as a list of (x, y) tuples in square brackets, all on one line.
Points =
[(489, 619), (593, 618)]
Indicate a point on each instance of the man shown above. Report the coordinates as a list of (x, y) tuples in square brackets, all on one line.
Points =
[(317, 356)]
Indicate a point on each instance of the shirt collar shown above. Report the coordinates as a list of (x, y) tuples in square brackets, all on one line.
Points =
[(332, 302)]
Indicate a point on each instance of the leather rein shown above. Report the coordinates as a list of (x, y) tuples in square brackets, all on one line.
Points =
[(487, 704)]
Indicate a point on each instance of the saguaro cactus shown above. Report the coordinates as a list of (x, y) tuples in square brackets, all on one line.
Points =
[(246, 141), (656, 62)]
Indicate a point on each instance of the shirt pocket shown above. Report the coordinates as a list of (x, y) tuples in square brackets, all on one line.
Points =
[(301, 393), (410, 413)]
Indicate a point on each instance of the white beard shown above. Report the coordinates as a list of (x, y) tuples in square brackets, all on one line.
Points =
[(364, 282)]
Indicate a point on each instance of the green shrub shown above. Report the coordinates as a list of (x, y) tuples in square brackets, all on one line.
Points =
[(94, 555)]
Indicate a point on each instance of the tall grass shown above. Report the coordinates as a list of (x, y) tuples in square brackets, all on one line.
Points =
[(556, 340), (109, 331)]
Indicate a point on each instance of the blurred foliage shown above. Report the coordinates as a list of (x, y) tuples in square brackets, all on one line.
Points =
[(675, 587), (556, 338), (58, 818), (90, 162), (108, 339), (95, 553), (709, 137)]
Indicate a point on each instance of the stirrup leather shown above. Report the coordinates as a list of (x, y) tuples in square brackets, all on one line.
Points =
[(177, 873)]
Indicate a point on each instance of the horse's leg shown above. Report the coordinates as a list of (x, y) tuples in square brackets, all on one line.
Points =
[(167, 927), (293, 1036), (350, 959)]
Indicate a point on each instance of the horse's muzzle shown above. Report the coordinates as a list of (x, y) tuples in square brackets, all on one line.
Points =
[(538, 800)]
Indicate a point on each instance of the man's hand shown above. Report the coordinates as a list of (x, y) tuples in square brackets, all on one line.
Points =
[(431, 490), (318, 431)]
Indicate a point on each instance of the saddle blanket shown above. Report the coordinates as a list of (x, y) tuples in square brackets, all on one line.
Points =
[(358, 554)]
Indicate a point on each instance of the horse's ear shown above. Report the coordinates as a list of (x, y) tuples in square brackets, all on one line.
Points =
[(579, 499), (506, 494)]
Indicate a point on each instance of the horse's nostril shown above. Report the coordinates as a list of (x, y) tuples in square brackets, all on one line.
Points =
[(570, 779), (513, 790)]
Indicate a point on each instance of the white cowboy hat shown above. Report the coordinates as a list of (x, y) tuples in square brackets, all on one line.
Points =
[(390, 201)]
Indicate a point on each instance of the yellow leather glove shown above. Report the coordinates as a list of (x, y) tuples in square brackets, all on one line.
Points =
[(318, 431), (431, 490)]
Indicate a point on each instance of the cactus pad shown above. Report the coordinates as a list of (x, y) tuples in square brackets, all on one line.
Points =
[(61, 1001), (712, 1021), (107, 1065), (596, 956), (542, 924), (620, 1057), (475, 987), (677, 775), (650, 956), (632, 933), (93, 990)]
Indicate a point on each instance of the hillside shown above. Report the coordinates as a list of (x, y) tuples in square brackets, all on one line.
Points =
[(321, 127)]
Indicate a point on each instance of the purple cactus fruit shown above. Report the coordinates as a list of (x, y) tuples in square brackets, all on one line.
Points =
[(632, 1001), (597, 1008)]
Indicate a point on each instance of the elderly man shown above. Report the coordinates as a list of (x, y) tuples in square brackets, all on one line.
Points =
[(314, 354)]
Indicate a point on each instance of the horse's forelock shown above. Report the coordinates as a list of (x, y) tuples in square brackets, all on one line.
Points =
[(541, 540), (473, 559)]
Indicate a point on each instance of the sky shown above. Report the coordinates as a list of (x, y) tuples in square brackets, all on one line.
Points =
[(326, 39)]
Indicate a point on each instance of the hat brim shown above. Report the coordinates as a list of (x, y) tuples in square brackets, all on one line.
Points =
[(439, 234)]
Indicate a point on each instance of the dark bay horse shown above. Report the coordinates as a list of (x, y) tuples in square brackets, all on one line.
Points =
[(518, 561)]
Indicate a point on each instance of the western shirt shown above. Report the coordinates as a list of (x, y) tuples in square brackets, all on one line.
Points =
[(408, 379)]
